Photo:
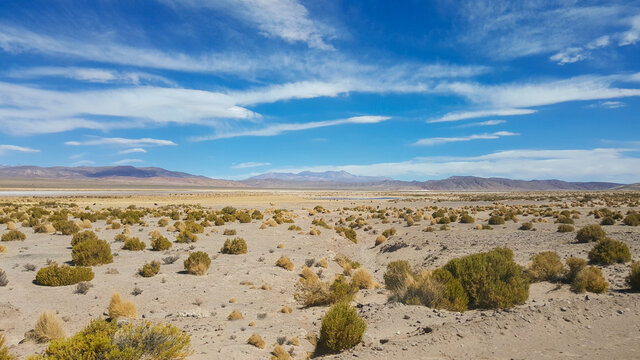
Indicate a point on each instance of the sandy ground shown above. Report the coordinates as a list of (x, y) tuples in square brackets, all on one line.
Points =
[(554, 323)]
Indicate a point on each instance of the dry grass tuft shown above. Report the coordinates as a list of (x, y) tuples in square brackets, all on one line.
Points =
[(235, 315), (285, 263), (3, 249), (279, 353), (285, 309), (380, 239), (121, 308), (48, 328), (256, 340), (362, 279)]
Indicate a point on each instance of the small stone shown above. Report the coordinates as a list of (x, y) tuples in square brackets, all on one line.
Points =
[(563, 309)]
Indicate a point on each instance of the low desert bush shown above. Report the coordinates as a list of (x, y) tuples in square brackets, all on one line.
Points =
[(564, 220), (163, 222), (279, 353), (562, 228), (44, 229), (633, 280), (170, 259), (198, 263), (160, 243), (3, 278), (491, 279), (632, 219), (589, 279), (106, 340), (285, 263), (83, 287), (590, 233), (467, 219), (389, 232), (574, 266), (186, 237), (14, 235), (235, 315), (380, 239), (48, 328), (84, 235), (4, 350), (496, 220), (526, 226), (229, 232), (361, 279), (313, 292), (546, 266), (609, 251), (256, 340), (342, 328), (54, 275), (348, 233), (608, 221), (150, 269), (398, 276), (3, 249), (91, 252), (134, 244), (294, 228), (121, 308), (66, 227), (235, 246)]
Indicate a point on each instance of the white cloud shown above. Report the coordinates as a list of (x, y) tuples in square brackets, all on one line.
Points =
[(131, 151), (444, 140), (250, 164), (285, 19), (127, 161), (464, 115), (5, 148), (482, 123), (632, 35), (277, 129), (90, 75), (83, 163), (609, 104), (607, 164), (123, 142)]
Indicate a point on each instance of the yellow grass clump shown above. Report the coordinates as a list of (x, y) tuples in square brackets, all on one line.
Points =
[(309, 275), (4, 350), (256, 340), (314, 232), (121, 308), (48, 328), (235, 315), (285, 263), (323, 263), (3, 249), (380, 239), (271, 222), (253, 323), (11, 225), (294, 341), (279, 353), (362, 279), (232, 300), (263, 226), (285, 309)]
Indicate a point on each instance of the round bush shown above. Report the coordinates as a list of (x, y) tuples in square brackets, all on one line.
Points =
[(54, 275), (342, 328), (84, 235), (633, 280), (546, 266), (467, 219), (150, 269), (526, 226), (160, 243), (632, 219), (66, 227), (198, 263), (562, 228), (590, 233), (496, 220), (134, 244), (564, 220), (609, 251), (398, 275), (91, 252), (186, 237), (608, 221), (575, 265), (236, 246), (14, 235), (590, 279)]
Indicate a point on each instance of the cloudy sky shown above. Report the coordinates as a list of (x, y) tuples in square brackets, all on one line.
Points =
[(407, 89)]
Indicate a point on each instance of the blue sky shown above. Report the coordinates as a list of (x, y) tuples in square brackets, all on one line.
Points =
[(406, 89)]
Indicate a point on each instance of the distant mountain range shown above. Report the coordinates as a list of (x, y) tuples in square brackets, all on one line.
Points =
[(130, 175)]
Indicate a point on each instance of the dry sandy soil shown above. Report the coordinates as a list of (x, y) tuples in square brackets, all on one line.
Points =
[(554, 323)]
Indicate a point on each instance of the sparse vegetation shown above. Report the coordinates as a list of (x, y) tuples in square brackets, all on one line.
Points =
[(54, 275), (285, 263), (48, 328), (14, 235), (256, 340), (235, 246), (590, 233), (496, 220), (633, 280), (342, 328), (590, 279), (198, 263), (562, 228), (150, 269), (160, 243), (91, 252), (546, 266), (134, 244), (121, 308), (608, 251), (186, 237)]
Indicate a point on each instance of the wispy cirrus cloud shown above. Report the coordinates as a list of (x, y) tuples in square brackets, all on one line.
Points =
[(250, 164), (464, 115), (131, 151), (277, 129), (599, 164), (127, 161), (444, 140), (90, 75), (95, 141), (6, 148), (482, 123)]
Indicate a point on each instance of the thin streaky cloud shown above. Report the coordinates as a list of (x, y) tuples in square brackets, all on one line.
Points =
[(122, 142), (444, 140), (127, 161), (465, 115), (250, 164), (482, 123), (17, 148), (131, 151)]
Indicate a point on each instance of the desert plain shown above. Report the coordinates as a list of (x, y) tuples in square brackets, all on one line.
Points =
[(553, 323)]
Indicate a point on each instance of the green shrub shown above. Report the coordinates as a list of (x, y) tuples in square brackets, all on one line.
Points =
[(467, 219), (348, 233), (546, 266), (589, 233), (14, 235), (342, 328), (84, 235), (105, 340), (632, 219), (312, 292), (609, 251), (575, 265), (186, 237), (229, 232), (608, 221), (562, 228), (193, 227), (526, 226), (389, 232), (160, 243), (150, 269), (91, 252), (564, 220), (437, 289), (134, 244), (54, 275), (236, 246), (198, 263), (491, 279), (294, 228), (589, 279), (496, 220), (633, 280), (243, 217), (66, 227)]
